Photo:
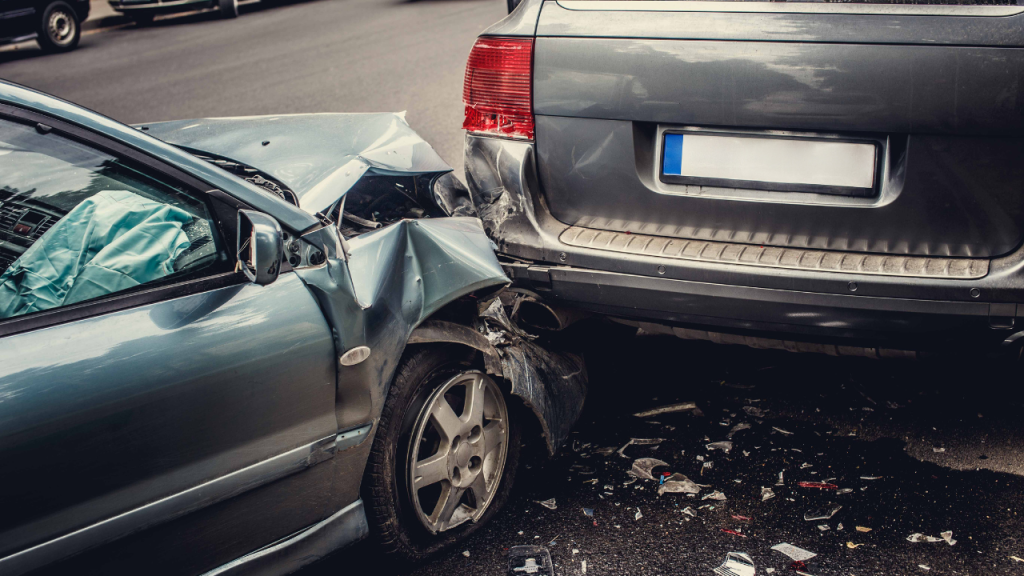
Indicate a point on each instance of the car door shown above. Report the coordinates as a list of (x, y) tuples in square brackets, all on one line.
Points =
[(867, 127), (142, 380), (17, 18)]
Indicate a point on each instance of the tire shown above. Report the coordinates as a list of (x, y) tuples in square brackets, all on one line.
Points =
[(397, 521), (59, 28), (228, 8)]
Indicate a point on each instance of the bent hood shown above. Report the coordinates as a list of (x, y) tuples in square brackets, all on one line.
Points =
[(319, 156)]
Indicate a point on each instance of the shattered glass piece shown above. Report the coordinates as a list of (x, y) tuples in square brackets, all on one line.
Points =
[(805, 466), (795, 553), (638, 514), (824, 527), (767, 494), (736, 564), (844, 491), (948, 537), (821, 514), (870, 477), (677, 483), (549, 504), (588, 512), (724, 446), (917, 537), (529, 560), (682, 407), (689, 512), (642, 467), (716, 495)]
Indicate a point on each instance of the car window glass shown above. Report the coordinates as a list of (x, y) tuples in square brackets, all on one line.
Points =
[(78, 224)]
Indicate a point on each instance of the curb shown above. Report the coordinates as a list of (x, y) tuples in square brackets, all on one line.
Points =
[(105, 22)]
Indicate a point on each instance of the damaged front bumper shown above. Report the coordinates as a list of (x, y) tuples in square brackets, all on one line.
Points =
[(832, 312)]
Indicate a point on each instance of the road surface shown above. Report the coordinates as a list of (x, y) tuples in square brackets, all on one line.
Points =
[(291, 57)]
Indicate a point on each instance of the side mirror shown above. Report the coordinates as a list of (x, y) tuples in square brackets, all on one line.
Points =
[(260, 247), (512, 4)]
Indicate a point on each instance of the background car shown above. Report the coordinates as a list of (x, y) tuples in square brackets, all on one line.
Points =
[(144, 11), (832, 177), (208, 364), (55, 24)]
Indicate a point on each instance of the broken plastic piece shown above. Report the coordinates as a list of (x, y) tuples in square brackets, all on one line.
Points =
[(862, 529), (689, 512), (529, 560), (465, 553), (734, 532), (948, 537), (724, 446), (918, 537), (754, 411), (780, 430), (716, 495), (821, 514), (588, 511), (870, 477), (767, 494), (795, 553), (638, 514), (818, 485), (738, 428), (639, 442), (852, 546), (736, 564), (824, 527), (642, 467), (677, 483), (549, 504), (682, 407)]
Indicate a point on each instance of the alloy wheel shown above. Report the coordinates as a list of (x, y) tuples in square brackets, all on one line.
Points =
[(60, 27), (457, 451)]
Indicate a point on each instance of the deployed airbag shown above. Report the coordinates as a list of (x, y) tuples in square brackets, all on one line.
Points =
[(112, 241)]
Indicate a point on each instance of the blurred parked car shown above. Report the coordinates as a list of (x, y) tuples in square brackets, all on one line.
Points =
[(234, 345), (839, 177), (144, 11), (55, 24)]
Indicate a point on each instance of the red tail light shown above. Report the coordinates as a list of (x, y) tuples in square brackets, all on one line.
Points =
[(498, 92)]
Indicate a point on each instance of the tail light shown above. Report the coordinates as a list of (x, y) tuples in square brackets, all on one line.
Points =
[(498, 91)]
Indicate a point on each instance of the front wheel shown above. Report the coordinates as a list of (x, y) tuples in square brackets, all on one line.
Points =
[(444, 457), (228, 8), (59, 29)]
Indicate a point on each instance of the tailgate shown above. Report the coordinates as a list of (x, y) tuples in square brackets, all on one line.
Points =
[(879, 128)]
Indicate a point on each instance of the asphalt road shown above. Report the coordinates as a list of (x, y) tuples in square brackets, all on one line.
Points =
[(910, 447), (290, 57)]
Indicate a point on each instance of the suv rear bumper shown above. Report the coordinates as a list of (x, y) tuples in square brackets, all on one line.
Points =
[(897, 311)]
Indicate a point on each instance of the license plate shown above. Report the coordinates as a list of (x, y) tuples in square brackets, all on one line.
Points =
[(770, 163)]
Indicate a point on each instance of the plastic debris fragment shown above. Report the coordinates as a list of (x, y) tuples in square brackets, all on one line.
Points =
[(870, 477), (588, 511), (716, 495), (918, 537), (754, 411), (938, 450), (638, 514), (677, 483), (738, 428), (767, 494), (583, 566), (821, 514), (781, 431), (734, 532), (794, 552), (606, 451), (639, 442), (642, 467), (862, 529), (689, 512), (724, 446), (736, 564), (948, 537), (465, 553), (824, 527), (924, 567), (741, 518), (1016, 559), (852, 546), (682, 407), (818, 485), (549, 504), (805, 466), (780, 482), (844, 491)]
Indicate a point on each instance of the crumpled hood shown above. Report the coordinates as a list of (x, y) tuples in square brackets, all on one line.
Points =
[(319, 156)]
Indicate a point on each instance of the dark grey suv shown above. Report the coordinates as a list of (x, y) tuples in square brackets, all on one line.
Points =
[(839, 177)]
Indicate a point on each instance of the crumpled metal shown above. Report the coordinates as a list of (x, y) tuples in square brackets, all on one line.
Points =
[(319, 156), (110, 242)]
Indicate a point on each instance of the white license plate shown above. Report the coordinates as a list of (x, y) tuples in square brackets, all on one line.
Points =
[(767, 163)]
